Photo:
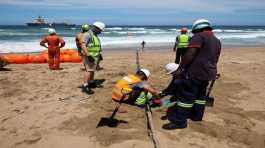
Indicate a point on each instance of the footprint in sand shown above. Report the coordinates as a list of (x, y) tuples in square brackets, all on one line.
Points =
[(34, 138)]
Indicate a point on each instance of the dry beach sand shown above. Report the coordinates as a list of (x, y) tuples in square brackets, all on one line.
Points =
[(46, 109)]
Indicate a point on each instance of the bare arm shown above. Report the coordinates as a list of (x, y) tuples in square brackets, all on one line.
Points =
[(151, 90), (84, 41), (84, 48), (77, 42)]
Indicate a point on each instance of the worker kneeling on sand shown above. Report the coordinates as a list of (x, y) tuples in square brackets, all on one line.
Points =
[(173, 89), (196, 69), (54, 44), (134, 85)]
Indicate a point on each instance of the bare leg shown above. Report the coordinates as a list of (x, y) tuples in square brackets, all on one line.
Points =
[(89, 75)]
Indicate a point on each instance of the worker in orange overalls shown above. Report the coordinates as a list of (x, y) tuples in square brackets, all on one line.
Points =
[(54, 44)]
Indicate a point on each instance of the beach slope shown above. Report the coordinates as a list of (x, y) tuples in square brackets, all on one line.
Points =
[(41, 108)]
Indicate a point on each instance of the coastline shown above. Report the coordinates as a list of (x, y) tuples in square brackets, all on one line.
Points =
[(23, 38), (40, 107), (150, 49)]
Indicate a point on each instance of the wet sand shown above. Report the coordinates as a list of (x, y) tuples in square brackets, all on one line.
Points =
[(42, 108)]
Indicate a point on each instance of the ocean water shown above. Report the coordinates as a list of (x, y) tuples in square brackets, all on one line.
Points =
[(26, 39)]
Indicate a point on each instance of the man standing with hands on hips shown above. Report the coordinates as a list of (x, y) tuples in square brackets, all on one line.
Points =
[(54, 44), (91, 48)]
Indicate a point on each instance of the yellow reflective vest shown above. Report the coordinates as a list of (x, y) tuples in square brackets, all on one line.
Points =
[(183, 41), (94, 46), (123, 86)]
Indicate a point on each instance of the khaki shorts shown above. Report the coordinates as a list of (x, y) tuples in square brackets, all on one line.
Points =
[(89, 63)]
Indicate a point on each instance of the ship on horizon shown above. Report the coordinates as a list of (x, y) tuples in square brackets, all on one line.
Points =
[(40, 22)]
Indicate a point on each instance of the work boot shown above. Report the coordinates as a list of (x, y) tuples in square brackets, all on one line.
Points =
[(92, 84), (164, 117), (95, 84), (172, 126), (87, 90)]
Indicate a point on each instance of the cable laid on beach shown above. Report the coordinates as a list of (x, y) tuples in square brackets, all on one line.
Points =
[(152, 132), (150, 124)]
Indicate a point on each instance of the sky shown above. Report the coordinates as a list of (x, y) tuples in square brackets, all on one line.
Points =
[(134, 12)]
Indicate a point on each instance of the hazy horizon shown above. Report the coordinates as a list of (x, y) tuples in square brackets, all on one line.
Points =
[(148, 25)]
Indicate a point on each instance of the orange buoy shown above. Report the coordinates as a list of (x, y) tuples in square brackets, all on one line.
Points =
[(37, 58), (76, 58), (66, 58), (70, 51), (30, 58), (46, 56), (16, 58), (69, 55)]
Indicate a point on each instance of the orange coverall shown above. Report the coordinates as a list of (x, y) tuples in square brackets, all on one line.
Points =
[(53, 42)]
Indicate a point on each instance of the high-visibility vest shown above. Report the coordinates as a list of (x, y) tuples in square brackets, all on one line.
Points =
[(183, 41), (124, 86), (94, 46), (143, 97)]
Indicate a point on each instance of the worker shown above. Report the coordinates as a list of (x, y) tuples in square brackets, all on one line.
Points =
[(134, 85), (143, 45), (171, 69), (91, 48), (173, 89), (181, 44), (79, 38), (197, 67), (3, 63), (54, 43)]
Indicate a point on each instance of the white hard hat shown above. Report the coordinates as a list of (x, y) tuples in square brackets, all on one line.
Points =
[(171, 67), (100, 25), (200, 24), (146, 72), (51, 31)]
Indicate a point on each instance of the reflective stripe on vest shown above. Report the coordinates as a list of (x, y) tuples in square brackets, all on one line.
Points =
[(183, 41), (184, 105), (201, 102), (143, 97), (124, 85), (94, 46)]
